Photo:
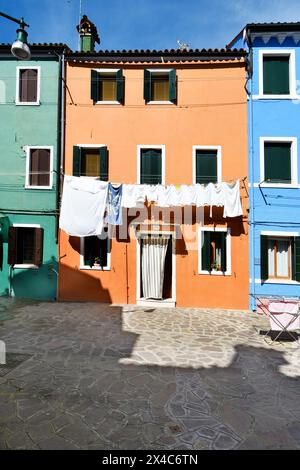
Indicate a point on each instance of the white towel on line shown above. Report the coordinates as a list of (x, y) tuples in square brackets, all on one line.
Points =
[(83, 206)]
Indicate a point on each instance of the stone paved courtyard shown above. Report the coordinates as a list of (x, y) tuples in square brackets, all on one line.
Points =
[(90, 376)]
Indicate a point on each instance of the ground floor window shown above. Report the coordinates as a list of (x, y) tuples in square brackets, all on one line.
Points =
[(214, 251), (25, 246), (95, 252), (280, 258)]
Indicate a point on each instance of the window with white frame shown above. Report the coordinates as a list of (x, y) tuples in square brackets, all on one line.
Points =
[(214, 251), (107, 86), (96, 252), (280, 257), (279, 161), (160, 86), (25, 246), (28, 85), (207, 164), (277, 73), (151, 161), (90, 161), (39, 167)]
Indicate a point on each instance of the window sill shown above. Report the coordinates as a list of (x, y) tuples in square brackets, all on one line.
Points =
[(276, 97), (39, 187), (94, 268), (278, 185), (278, 281), (108, 102), (25, 266), (160, 102), (37, 103), (215, 273)]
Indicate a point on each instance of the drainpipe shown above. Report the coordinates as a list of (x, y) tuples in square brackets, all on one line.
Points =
[(59, 145), (251, 180)]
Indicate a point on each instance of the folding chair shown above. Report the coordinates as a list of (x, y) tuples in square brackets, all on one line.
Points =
[(283, 314)]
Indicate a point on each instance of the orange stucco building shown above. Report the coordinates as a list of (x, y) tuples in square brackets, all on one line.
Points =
[(179, 106)]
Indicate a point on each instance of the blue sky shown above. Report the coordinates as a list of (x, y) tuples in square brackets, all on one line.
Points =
[(145, 24)]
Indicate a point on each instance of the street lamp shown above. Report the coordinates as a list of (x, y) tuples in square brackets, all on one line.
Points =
[(20, 47)]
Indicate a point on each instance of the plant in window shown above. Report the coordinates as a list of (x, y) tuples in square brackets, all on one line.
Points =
[(97, 261), (215, 266)]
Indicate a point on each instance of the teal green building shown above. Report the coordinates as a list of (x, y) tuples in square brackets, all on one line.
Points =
[(31, 136)]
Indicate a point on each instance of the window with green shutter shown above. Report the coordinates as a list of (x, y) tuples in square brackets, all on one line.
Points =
[(160, 86), (151, 166), (206, 166), (91, 162), (276, 74), (296, 259), (277, 162), (107, 86), (214, 251)]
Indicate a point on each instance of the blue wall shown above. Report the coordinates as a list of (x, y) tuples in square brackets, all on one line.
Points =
[(271, 209)]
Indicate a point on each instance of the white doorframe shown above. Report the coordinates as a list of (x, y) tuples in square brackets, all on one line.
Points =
[(148, 302)]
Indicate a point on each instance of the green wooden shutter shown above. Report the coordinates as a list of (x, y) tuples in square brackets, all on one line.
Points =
[(296, 260), (276, 75), (103, 252), (94, 86), (12, 246), (223, 252), (38, 246), (103, 163), (277, 160), (147, 86), (151, 166), (1, 251), (205, 252), (264, 262), (172, 86), (76, 161), (89, 251), (206, 166), (120, 86)]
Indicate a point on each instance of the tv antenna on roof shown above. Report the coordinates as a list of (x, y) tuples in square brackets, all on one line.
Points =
[(183, 46)]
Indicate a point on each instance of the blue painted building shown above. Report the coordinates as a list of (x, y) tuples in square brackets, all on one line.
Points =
[(274, 165)]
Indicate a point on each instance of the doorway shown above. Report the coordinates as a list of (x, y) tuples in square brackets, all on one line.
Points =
[(156, 269)]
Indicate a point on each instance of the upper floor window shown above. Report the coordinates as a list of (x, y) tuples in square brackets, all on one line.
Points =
[(90, 161), (160, 86), (28, 85), (107, 86), (39, 168), (207, 164), (279, 161), (277, 74), (151, 165)]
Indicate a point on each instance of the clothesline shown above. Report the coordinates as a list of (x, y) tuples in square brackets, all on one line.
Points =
[(85, 200)]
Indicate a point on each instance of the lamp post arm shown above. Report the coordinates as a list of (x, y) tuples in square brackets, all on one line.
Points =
[(21, 22)]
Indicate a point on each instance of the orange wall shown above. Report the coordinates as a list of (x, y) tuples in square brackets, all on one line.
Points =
[(211, 110)]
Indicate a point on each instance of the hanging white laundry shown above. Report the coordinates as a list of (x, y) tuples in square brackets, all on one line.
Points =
[(232, 200), (151, 191), (134, 196), (154, 250), (83, 205)]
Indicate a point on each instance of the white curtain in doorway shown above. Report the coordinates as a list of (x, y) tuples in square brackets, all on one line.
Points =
[(154, 250)]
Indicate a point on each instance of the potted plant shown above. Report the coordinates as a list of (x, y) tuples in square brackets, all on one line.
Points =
[(215, 266), (97, 262)]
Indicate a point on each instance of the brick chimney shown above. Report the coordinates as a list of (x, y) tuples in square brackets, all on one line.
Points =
[(88, 35)]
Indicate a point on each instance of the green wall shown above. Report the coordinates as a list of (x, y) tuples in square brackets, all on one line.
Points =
[(21, 126)]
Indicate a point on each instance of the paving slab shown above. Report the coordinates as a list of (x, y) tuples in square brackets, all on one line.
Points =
[(94, 376)]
